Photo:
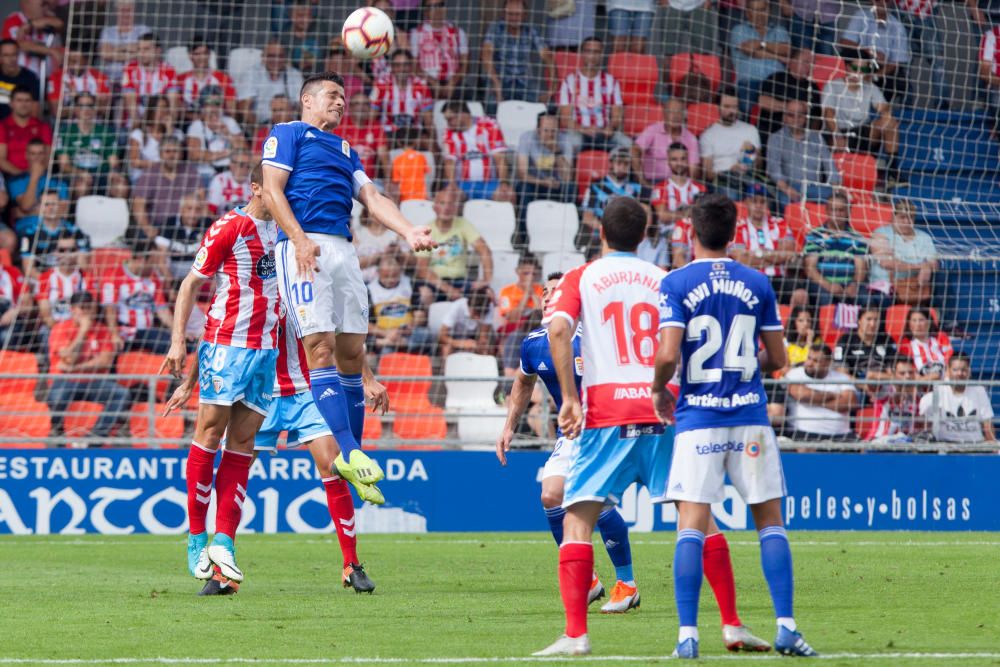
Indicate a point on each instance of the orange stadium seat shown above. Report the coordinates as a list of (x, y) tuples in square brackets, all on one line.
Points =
[(827, 331), (700, 116), (428, 426), (637, 74), (866, 218), (143, 363), (373, 428), (81, 417), (706, 64), (784, 312), (803, 218), (895, 320), (24, 417), (826, 69), (171, 426), (640, 116), (18, 363), (857, 171), (566, 63), (5, 259), (410, 395), (590, 166), (864, 420)]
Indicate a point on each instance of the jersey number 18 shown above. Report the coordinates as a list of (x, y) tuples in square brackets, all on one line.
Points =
[(635, 335)]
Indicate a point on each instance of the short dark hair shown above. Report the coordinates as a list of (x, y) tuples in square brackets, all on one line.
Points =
[(542, 115), (456, 106), (591, 38), (82, 94), (141, 245), (727, 91), (82, 298), (624, 224), (528, 258), (149, 37), (960, 356), (713, 219), (257, 173), (480, 300), (197, 41), (902, 359), (677, 146), (820, 346), (22, 90), (36, 141), (6, 42), (555, 275), (317, 78)]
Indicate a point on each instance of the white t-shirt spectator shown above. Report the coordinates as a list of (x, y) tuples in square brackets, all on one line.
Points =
[(851, 108), (460, 322), (258, 85), (112, 36), (724, 144), (214, 141), (957, 417), (814, 418), (367, 244)]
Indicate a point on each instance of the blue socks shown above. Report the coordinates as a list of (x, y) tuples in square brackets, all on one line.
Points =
[(331, 401), (687, 575), (776, 561), (555, 516), (355, 395), (614, 533)]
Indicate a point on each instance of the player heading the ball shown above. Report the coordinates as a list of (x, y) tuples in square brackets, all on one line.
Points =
[(310, 177)]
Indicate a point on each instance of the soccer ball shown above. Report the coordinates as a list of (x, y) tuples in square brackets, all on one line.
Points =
[(368, 33)]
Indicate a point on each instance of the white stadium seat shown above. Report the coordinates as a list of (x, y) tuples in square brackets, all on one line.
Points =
[(435, 316), (516, 117), (495, 220), (241, 61), (552, 226), (103, 219), (479, 416), (504, 270), (179, 58), (560, 261), (418, 211)]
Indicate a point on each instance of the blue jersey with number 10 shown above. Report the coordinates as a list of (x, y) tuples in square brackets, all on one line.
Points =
[(722, 306), (325, 173)]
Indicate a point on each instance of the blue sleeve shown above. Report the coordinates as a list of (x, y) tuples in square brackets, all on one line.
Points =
[(527, 367), (671, 308), (281, 147), (359, 178), (769, 318)]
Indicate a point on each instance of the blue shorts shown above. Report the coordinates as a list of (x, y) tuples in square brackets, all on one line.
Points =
[(479, 189), (626, 23), (610, 459), (296, 414), (229, 374)]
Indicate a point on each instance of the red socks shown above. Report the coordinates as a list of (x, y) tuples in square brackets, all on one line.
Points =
[(341, 505), (719, 572), (231, 491), (200, 467), (576, 569)]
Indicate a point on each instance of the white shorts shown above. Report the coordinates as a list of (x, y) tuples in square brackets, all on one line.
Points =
[(334, 298), (561, 458), (703, 457)]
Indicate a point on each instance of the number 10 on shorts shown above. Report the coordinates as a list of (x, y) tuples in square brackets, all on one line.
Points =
[(301, 293)]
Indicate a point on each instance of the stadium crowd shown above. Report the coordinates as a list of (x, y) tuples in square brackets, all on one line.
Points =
[(763, 101)]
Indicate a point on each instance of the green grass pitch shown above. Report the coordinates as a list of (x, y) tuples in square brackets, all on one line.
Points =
[(861, 598)]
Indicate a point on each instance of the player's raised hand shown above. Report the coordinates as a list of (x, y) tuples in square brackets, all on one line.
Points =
[(178, 399), (503, 445), (663, 405), (377, 395), (571, 418), (306, 252), (419, 238), (173, 363)]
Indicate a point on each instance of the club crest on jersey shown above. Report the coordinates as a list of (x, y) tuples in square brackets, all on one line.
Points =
[(345, 148), (218, 383), (578, 362), (200, 258), (266, 266), (270, 148)]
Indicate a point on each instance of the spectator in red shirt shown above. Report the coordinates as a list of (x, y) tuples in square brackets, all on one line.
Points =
[(17, 129), (78, 77), (133, 302), (475, 155), (148, 76), (82, 344), (201, 76), (365, 135)]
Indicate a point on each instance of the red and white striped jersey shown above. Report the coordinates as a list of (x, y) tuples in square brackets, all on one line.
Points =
[(292, 376), (921, 8), (137, 298), (675, 196), (473, 148), (239, 251), (56, 287), (616, 298), (15, 27), (765, 237), (929, 356), (895, 414), (224, 192), (683, 234), (64, 85), (438, 51), (144, 82), (591, 99), (11, 284), (401, 106), (989, 49), (190, 86)]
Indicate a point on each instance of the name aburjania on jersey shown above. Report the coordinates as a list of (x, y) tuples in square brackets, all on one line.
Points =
[(625, 278), (736, 288)]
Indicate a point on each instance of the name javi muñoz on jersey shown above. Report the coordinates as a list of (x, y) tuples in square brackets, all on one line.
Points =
[(325, 174), (536, 359), (722, 306), (239, 251), (615, 300)]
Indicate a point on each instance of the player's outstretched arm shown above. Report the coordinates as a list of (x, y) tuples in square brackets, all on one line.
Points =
[(183, 392), (375, 392), (174, 361), (667, 357), (520, 398), (561, 344), (277, 204), (773, 357), (385, 211)]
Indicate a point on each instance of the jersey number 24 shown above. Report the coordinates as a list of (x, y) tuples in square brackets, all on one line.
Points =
[(740, 353)]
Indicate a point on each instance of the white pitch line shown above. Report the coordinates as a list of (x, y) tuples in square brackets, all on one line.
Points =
[(477, 660)]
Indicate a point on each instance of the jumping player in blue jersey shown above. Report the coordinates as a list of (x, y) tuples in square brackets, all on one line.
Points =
[(310, 178), (536, 362), (713, 312)]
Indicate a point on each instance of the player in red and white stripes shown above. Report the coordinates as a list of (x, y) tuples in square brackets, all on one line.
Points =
[(590, 101), (147, 76), (236, 371)]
